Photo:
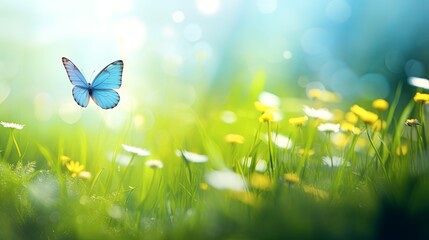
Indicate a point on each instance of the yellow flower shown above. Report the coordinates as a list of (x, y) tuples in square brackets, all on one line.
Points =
[(364, 115), (245, 197), (260, 181), (298, 121), (204, 186), (340, 140), (351, 117), (234, 139), (315, 93), (402, 150), (266, 117), (64, 159), (379, 125), (315, 192), (348, 127), (75, 168), (260, 107), (380, 104), (421, 97), (291, 178), (309, 151), (412, 122)]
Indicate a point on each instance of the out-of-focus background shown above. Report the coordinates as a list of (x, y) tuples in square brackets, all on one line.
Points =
[(181, 52)]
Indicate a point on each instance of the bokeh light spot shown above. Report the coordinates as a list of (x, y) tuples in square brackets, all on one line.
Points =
[(338, 11), (372, 86), (287, 55), (43, 105), (414, 68), (192, 32), (178, 16), (267, 6), (208, 6), (69, 113), (4, 91)]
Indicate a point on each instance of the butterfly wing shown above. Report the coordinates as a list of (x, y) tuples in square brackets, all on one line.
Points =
[(75, 76), (110, 77), (105, 98), (81, 95)]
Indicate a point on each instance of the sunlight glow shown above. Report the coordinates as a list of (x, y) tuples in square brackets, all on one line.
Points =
[(208, 6)]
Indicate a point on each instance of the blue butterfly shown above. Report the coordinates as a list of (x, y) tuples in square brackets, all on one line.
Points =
[(101, 89)]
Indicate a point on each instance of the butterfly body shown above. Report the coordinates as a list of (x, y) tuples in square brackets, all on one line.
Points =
[(101, 89)]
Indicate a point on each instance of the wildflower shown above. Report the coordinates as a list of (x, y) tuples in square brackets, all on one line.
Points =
[(321, 113), (303, 151), (380, 104), (329, 127), (280, 141), (246, 197), (322, 95), (419, 82), (298, 121), (291, 178), (421, 97), (234, 139), (351, 117), (154, 164), (340, 140), (348, 127), (260, 107), (315, 192), (260, 181), (64, 159), (333, 161), (136, 150), (269, 99), (412, 122), (225, 180), (12, 125), (75, 168), (192, 157), (266, 117), (379, 125), (364, 115), (402, 150), (204, 186), (85, 175)]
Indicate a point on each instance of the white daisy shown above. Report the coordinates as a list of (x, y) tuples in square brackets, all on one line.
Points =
[(269, 99), (136, 150), (329, 127), (192, 157), (12, 125), (419, 82), (226, 180), (321, 113), (334, 161), (154, 163), (280, 140)]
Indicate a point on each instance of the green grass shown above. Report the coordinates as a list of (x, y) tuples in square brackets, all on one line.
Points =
[(375, 192)]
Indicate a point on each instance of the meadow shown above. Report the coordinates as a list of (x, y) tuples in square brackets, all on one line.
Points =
[(230, 167)]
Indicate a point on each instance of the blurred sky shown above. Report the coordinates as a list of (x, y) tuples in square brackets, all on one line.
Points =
[(360, 49)]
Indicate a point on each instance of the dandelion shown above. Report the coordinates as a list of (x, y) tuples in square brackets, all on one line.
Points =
[(380, 104), (136, 150), (280, 140), (340, 140), (192, 157), (234, 139), (266, 117), (349, 127), (154, 164), (260, 181), (75, 168), (303, 151), (260, 107), (64, 160), (12, 125), (351, 117), (298, 121), (379, 125), (291, 178), (329, 127), (321, 113), (333, 161), (204, 186), (315, 192), (402, 150), (364, 115), (226, 180), (421, 97), (412, 122), (322, 95)]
